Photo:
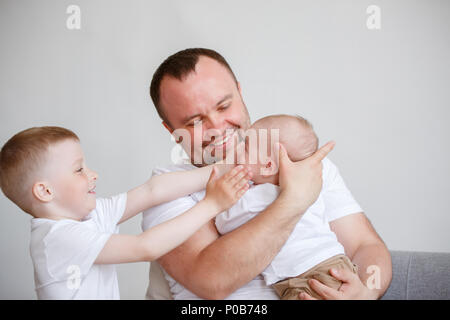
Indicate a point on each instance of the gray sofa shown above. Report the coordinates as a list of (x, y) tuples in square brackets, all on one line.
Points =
[(419, 276)]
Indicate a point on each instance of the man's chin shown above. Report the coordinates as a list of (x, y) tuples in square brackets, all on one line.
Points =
[(213, 155)]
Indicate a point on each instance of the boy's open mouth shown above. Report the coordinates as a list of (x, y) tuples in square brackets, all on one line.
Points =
[(92, 191)]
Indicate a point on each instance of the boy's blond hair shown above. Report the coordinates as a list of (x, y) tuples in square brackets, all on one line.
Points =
[(22, 157)]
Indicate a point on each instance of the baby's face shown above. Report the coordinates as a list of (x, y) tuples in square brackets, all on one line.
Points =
[(260, 154), (298, 139), (70, 180)]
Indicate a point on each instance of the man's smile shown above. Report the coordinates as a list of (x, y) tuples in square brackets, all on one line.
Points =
[(219, 142)]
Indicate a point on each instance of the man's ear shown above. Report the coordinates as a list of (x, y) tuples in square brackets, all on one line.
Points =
[(167, 126), (42, 191)]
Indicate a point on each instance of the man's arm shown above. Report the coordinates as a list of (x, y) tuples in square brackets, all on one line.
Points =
[(213, 267), (365, 248)]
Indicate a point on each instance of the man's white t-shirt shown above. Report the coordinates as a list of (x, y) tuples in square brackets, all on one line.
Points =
[(336, 202), (64, 252)]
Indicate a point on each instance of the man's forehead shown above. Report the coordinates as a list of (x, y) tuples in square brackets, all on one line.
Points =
[(181, 99)]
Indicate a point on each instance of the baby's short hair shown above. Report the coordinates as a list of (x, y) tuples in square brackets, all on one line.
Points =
[(296, 134), (22, 156)]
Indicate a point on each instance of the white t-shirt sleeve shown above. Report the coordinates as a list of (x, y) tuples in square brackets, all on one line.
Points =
[(338, 199), (109, 211), (74, 244), (166, 211)]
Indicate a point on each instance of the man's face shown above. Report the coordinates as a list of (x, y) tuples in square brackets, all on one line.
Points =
[(208, 99)]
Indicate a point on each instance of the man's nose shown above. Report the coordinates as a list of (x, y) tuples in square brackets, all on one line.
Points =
[(214, 121), (213, 127)]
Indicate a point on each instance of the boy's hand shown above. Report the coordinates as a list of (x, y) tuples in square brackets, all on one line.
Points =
[(224, 192)]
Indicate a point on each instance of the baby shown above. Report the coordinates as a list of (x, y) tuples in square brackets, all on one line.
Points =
[(312, 249), (74, 241)]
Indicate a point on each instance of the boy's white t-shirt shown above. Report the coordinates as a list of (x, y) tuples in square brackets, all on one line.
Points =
[(64, 252), (337, 202)]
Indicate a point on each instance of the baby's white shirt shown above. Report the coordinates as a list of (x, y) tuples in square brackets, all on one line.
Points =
[(312, 240), (64, 251)]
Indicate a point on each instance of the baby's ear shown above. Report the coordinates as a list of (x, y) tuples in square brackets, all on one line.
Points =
[(270, 168), (42, 191)]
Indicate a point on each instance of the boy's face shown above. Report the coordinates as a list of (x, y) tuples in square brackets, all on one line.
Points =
[(73, 183)]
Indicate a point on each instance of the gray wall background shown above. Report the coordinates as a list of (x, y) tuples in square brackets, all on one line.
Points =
[(382, 95)]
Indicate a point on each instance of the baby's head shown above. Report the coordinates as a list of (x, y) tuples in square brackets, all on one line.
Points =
[(295, 134), (42, 170)]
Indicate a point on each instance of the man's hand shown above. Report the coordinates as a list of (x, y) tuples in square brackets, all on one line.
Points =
[(302, 180), (351, 289)]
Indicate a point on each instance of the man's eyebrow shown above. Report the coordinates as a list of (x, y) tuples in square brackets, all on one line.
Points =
[(191, 117), (224, 98)]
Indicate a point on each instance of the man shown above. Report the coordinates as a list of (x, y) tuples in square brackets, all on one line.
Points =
[(196, 87)]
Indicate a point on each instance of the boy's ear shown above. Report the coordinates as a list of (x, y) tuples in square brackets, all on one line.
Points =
[(42, 191)]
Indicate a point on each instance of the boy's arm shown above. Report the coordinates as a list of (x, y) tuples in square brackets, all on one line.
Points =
[(167, 186), (155, 242)]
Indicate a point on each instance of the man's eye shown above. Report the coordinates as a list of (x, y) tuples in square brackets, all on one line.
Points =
[(194, 123), (222, 108)]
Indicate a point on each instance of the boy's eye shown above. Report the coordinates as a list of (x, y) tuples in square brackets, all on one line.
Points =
[(80, 170)]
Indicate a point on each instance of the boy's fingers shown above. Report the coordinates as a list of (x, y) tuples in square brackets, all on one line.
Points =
[(230, 174), (241, 191), (238, 176), (323, 151), (241, 182)]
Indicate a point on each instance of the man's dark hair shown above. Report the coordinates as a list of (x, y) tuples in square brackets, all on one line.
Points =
[(179, 65)]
